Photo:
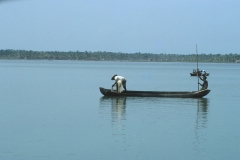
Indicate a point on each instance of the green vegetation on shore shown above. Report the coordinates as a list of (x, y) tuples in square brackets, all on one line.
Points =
[(111, 56)]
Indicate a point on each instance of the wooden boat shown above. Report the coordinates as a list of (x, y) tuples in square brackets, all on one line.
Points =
[(197, 71), (171, 94), (195, 74)]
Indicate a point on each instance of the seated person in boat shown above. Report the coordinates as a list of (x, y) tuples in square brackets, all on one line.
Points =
[(197, 71), (205, 82), (119, 82)]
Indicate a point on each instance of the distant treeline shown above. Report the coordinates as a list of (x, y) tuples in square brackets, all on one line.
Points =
[(112, 56)]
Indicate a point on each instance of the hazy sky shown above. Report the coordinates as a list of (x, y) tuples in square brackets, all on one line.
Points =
[(146, 26)]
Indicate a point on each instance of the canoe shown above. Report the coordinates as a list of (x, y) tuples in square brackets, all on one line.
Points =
[(195, 74), (171, 94)]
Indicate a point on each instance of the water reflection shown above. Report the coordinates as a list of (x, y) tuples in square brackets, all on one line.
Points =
[(160, 109), (201, 126), (118, 107), (118, 117)]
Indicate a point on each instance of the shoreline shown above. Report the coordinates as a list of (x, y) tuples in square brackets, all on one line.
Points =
[(110, 61)]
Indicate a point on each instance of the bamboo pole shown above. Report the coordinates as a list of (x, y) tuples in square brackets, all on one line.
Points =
[(197, 66)]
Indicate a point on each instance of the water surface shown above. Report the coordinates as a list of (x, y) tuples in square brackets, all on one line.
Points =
[(54, 110)]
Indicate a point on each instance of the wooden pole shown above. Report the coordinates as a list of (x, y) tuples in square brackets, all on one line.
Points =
[(197, 66)]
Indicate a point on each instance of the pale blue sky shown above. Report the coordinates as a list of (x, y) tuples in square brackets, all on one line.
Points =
[(146, 26)]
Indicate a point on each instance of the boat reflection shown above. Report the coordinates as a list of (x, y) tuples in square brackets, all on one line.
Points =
[(118, 107), (202, 105), (201, 126), (118, 117), (202, 111)]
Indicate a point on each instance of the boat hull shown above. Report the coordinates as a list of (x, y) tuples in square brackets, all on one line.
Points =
[(171, 94), (195, 74)]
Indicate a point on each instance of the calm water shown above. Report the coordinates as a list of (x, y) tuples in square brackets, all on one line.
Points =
[(54, 110)]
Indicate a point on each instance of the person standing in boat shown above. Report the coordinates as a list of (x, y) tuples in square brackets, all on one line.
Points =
[(119, 79), (205, 82)]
